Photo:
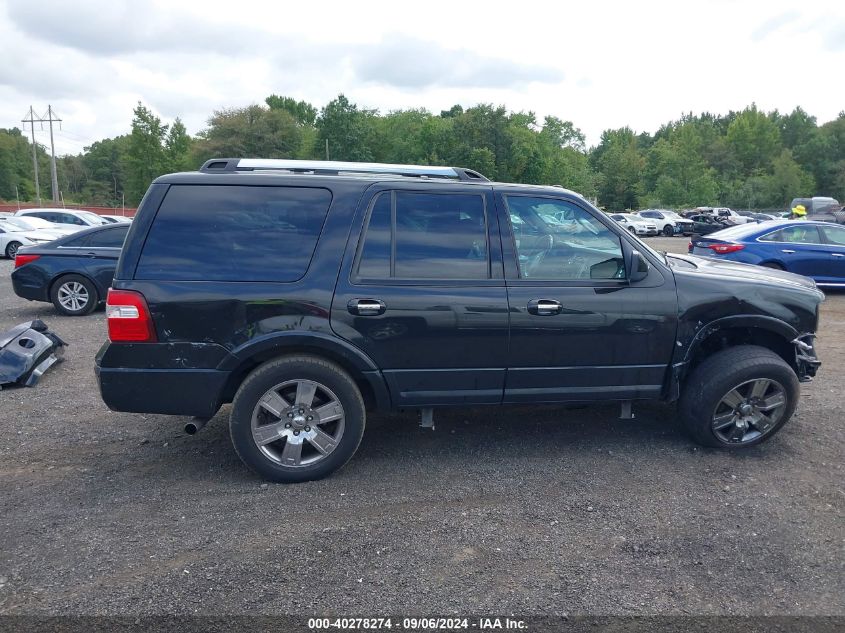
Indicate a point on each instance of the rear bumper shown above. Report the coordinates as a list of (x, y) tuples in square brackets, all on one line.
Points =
[(29, 286), (196, 392)]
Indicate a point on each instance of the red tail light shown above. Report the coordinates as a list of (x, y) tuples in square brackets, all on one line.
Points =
[(129, 317), (21, 259), (724, 249)]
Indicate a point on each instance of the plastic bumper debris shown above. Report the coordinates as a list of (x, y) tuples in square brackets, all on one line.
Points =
[(26, 352)]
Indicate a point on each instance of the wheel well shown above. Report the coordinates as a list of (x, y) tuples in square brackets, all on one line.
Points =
[(243, 370), (731, 337), (58, 278)]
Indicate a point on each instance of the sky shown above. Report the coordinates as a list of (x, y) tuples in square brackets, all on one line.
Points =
[(599, 64)]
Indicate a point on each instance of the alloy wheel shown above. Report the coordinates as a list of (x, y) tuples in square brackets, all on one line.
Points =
[(73, 296), (749, 410), (297, 423)]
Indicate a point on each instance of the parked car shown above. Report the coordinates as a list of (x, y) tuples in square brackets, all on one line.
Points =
[(65, 218), (705, 224), (22, 223), (12, 238), (668, 223), (308, 293), (757, 217), (635, 224), (116, 218), (821, 208), (804, 247), (74, 273)]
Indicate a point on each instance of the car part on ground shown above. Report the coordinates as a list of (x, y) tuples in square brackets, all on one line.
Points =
[(26, 352)]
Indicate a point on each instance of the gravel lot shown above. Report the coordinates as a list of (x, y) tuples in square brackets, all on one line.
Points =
[(528, 510)]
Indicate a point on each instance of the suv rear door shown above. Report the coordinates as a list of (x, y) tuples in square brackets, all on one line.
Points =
[(579, 330), (422, 292)]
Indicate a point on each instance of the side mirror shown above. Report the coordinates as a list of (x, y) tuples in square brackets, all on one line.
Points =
[(636, 266)]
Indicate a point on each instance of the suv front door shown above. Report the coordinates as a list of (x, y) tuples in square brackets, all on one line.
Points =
[(579, 330), (422, 293)]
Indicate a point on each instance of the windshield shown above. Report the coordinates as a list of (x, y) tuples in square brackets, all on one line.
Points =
[(93, 218), (672, 215), (22, 224)]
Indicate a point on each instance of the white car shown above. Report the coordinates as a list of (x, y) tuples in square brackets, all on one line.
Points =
[(24, 223), (668, 222), (13, 237), (66, 218), (635, 224), (114, 219)]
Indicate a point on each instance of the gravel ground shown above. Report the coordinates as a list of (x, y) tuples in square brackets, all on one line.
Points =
[(528, 510)]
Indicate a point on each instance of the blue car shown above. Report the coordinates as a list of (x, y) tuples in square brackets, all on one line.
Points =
[(812, 249)]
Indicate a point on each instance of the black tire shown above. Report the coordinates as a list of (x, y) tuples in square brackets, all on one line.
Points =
[(12, 249), (721, 373), (633, 230), (280, 371), (668, 230), (773, 266), (63, 284)]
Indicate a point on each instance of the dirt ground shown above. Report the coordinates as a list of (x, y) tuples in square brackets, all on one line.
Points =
[(527, 510)]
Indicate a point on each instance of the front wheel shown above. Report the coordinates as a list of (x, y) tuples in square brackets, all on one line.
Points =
[(668, 230), (12, 249), (633, 230), (738, 397), (297, 418)]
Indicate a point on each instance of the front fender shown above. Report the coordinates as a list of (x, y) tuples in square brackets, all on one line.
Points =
[(762, 322)]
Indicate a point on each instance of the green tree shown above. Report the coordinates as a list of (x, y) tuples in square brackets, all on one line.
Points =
[(177, 148), (146, 158), (754, 139), (303, 112), (343, 127), (619, 164), (254, 131)]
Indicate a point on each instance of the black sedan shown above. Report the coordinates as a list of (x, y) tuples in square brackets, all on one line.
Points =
[(705, 224), (74, 273)]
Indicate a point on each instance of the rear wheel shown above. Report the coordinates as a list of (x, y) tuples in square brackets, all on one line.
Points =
[(738, 397), (12, 249), (298, 418), (668, 230), (74, 295)]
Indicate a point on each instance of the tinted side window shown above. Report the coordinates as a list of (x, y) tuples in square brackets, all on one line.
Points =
[(234, 233), (375, 256), (436, 236), (557, 240), (113, 238), (835, 235), (798, 234)]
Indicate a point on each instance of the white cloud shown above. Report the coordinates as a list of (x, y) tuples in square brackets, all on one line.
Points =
[(600, 64)]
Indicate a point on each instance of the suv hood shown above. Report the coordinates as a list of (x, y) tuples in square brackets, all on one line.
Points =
[(727, 270)]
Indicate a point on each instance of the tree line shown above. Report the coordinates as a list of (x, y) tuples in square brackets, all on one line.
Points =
[(745, 159)]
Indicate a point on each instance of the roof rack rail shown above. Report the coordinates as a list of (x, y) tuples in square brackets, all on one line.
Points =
[(331, 167)]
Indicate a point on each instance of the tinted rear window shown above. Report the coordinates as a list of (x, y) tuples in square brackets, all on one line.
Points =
[(110, 238), (234, 233)]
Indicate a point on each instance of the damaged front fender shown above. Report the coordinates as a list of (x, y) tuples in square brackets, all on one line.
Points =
[(26, 352)]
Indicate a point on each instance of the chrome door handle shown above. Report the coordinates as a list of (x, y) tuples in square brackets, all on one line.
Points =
[(837, 254), (786, 250), (544, 307), (366, 307)]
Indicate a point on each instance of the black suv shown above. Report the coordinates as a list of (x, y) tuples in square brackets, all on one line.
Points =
[(307, 293)]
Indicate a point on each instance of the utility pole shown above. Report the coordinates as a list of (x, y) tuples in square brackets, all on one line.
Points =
[(53, 175), (31, 120)]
